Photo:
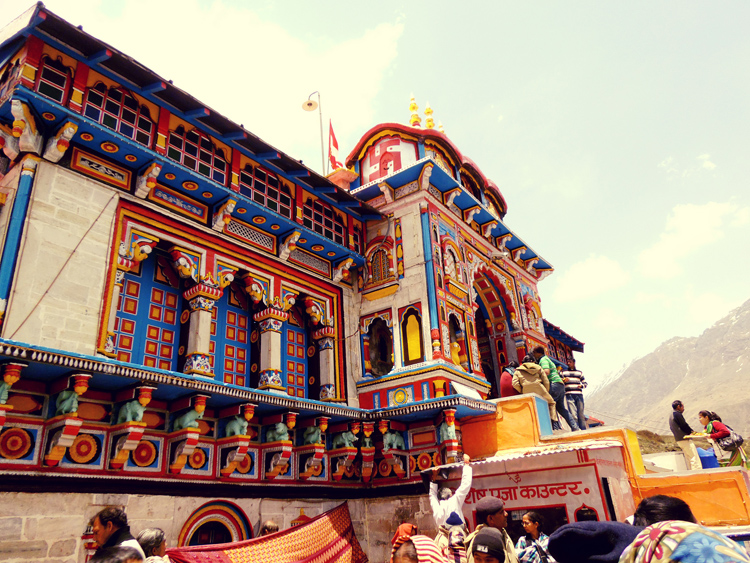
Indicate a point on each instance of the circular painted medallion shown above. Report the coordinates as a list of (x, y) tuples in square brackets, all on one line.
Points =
[(241, 210), (275, 227), (197, 459), (207, 195), (310, 380), (310, 351), (254, 336), (318, 247), (87, 137), (412, 464), (185, 316), (254, 368), (131, 157), (246, 465), (144, 454), (436, 458), (424, 461), (109, 147), (400, 396), (169, 176), (259, 220), (191, 186), (181, 350), (84, 448), (14, 443), (302, 241), (331, 254), (49, 116), (384, 468)]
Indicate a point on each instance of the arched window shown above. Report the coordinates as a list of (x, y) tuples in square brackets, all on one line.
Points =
[(379, 265), (265, 189), (411, 336), (118, 110), (53, 81), (381, 347), (196, 151), (323, 220)]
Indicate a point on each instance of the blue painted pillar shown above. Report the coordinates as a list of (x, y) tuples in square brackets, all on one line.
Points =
[(429, 272), (15, 228)]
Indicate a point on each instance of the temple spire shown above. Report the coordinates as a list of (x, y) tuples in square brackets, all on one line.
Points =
[(429, 122), (415, 120)]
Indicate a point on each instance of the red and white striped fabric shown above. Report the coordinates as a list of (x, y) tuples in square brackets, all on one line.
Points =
[(427, 550)]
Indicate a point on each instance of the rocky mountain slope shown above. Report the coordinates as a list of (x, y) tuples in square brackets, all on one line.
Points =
[(711, 372)]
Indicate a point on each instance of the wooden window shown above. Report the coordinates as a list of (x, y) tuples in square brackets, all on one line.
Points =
[(321, 218), (118, 110), (266, 189), (379, 264), (196, 151), (53, 80)]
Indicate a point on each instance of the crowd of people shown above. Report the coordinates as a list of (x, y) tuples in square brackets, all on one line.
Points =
[(728, 453), (662, 529), (563, 390), (115, 543)]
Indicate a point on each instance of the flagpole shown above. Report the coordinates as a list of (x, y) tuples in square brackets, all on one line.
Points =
[(311, 105)]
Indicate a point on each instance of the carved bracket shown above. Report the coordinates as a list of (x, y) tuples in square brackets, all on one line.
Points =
[(69, 425), (147, 180), (58, 144), (240, 444), (8, 143), (223, 215), (280, 460), (187, 440), (368, 462), (344, 457), (130, 436), (289, 245), (24, 128), (313, 462)]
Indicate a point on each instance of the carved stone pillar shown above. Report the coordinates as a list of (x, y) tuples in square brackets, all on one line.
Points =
[(202, 299), (271, 321), (324, 336)]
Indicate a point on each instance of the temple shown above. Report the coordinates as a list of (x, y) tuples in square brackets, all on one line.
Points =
[(198, 327)]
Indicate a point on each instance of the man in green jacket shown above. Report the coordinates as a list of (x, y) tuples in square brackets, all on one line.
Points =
[(556, 388)]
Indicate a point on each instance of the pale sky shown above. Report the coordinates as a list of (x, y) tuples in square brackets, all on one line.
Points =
[(617, 132)]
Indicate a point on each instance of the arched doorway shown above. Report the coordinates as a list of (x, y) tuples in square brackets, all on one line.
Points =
[(215, 522), (496, 323)]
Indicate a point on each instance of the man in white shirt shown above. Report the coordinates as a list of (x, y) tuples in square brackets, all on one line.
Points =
[(443, 502)]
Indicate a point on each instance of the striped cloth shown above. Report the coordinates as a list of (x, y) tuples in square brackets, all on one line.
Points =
[(427, 550), (327, 538)]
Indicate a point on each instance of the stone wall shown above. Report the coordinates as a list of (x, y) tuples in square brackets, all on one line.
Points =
[(64, 314), (47, 527)]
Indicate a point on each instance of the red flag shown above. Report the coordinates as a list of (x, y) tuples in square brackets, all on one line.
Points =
[(333, 148)]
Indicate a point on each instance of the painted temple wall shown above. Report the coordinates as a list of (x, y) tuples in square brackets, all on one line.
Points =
[(63, 206), (47, 527)]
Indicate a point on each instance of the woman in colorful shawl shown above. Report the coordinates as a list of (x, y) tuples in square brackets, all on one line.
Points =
[(534, 543), (685, 542), (716, 429)]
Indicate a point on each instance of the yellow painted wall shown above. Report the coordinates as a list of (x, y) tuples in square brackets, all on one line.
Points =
[(717, 497)]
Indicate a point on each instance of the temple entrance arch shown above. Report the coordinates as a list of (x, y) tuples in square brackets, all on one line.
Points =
[(496, 311)]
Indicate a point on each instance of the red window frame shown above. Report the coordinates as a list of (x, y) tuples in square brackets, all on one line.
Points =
[(118, 110), (48, 69), (195, 150)]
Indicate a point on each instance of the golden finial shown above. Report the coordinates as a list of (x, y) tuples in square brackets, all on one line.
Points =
[(440, 127), (428, 122), (415, 120)]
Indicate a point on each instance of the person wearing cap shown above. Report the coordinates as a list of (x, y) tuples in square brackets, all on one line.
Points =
[(491, 513), (443, 503), (488, 546)]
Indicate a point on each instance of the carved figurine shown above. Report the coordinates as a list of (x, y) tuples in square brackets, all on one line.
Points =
[(187, 420), (313, 435), (393, 440), (278, 431), (67, 402), (131, 412), (447, 432), (344, 440), (236, 427)]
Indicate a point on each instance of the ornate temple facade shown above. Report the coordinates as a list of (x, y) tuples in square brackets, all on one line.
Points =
[(189, 311)]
